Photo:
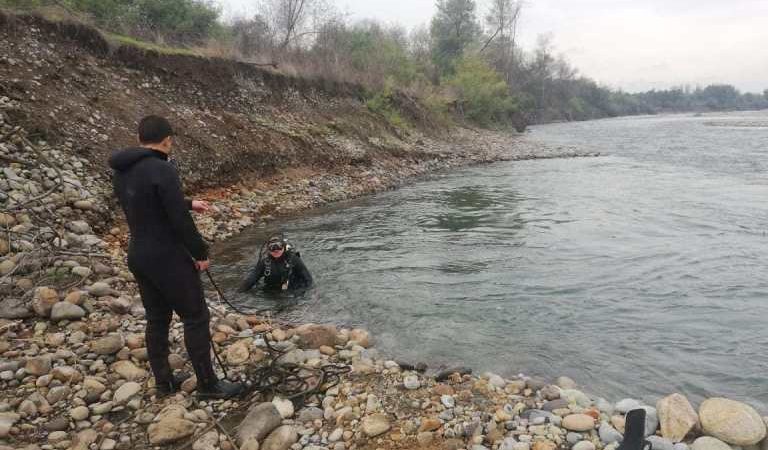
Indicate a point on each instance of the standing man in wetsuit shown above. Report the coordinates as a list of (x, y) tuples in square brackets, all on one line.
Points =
[(166, 254)]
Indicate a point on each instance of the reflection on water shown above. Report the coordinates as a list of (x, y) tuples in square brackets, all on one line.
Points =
[(639, 273)]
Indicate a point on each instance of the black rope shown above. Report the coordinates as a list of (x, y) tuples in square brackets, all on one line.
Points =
[(290, 381)]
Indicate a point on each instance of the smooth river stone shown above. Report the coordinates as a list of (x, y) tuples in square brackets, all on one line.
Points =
[(732, 422), (579, 422)]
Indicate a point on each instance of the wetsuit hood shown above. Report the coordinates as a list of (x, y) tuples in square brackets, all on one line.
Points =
[(122, 160)]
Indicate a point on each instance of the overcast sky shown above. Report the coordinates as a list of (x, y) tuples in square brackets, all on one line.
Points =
[(629, 44)]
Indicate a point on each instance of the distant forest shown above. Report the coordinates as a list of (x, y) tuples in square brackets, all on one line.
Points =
[(463, 64)]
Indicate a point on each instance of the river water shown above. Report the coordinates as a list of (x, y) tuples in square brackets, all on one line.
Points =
[(638, 273)]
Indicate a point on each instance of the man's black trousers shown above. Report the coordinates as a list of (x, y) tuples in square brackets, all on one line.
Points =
[(169, 282)]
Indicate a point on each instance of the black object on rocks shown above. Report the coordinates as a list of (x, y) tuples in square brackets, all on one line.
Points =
[(634, 434)]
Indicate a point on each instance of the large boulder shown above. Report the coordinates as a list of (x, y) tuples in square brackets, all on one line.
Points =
[(677, 416), (261, 420), (732, 422), (316, 336), (170, 430)]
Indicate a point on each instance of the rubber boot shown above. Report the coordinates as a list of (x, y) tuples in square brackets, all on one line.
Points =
[(634, 432), (220, 390)]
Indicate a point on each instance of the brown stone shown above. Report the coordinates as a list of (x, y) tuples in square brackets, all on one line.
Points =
[(278, 335), (43, 301), (38, 366), (443, 389), (579, 422), (261, 327), (495, 435), (238, 353), (134, 341), (316, 336), (7, 220), (67, 374), (75, 297), (257, 355), (140, 354), (360, 336), (619, 422), (170, 430), (326, 350), (430, 424), (515, 387)]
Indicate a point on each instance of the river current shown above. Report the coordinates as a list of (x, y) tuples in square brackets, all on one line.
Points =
[(638, 273)]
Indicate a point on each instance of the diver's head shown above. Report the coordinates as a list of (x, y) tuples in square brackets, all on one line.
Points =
[(276, 247)]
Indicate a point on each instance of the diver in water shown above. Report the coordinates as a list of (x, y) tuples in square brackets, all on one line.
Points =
[(280, 266)]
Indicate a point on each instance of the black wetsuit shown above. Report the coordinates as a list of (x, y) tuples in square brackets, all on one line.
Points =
[(276, 272), (164, 245)]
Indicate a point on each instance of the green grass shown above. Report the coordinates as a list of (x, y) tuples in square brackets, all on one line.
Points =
[(133, 42)]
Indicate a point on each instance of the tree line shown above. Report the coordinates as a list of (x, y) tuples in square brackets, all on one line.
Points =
[(462, 64)]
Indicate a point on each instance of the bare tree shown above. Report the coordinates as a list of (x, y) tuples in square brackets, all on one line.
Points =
[(502, 21), (292, 21)]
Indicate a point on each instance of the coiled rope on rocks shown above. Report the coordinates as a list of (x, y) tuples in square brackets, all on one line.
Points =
[(290, 381)]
